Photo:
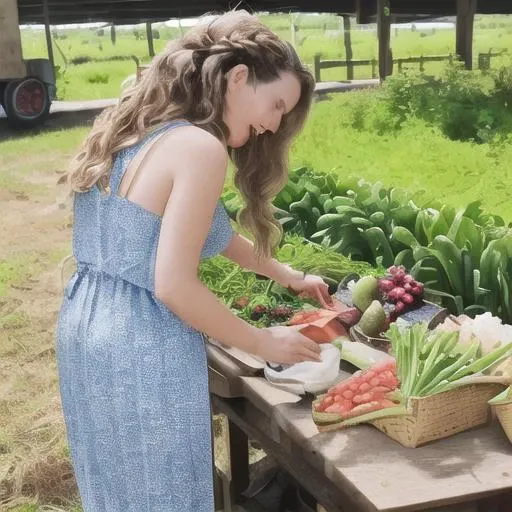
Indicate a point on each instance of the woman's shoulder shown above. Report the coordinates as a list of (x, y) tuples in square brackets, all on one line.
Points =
[(192, 139)]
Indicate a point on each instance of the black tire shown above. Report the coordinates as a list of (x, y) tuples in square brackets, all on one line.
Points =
[(26, 102), (2, 88)]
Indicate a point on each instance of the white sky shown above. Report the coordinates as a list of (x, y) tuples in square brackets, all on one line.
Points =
[(189, 22)]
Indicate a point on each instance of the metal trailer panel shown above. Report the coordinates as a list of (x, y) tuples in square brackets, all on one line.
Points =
[(11, 58)]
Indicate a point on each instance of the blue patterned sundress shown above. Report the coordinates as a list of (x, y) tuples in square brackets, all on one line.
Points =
[(133, 376)]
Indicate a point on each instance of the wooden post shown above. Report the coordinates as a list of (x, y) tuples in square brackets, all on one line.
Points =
[(365, 9), (348, 47), (317, 67), (293, 31), (113, 34), (239, 460), (465, 18), (384, 35), (149, 35), (374, 68), (49, 45)]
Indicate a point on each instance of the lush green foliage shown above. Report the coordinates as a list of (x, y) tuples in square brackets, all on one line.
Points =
[(361, 135), (464, 105), (464, 256)]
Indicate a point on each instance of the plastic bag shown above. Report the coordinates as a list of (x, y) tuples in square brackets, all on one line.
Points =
[(308, 376)]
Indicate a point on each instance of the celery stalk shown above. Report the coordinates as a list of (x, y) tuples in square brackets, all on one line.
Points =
[(439, 347), (417, 338), (450, 370), (481, 364)]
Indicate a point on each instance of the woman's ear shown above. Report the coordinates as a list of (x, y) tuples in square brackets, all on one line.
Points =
[(237, 76)]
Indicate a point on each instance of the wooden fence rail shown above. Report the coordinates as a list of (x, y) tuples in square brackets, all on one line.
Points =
[(484, 63)]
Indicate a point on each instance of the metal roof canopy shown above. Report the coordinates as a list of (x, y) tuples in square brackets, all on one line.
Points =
[(139, 11)]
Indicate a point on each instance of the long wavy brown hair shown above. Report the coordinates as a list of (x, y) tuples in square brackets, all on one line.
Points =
[(188, 81)]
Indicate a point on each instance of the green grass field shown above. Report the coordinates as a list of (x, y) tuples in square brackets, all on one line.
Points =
[(316, 34), (417, 157)]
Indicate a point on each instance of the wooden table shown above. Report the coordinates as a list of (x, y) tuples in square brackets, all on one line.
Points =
[(358, 469)]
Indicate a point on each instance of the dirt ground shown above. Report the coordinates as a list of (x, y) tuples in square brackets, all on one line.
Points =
[(35, 234)]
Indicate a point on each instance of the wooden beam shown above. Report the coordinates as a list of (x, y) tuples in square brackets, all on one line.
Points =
[(384, 37), (149, 34), (239, 460), (465, 19), (365, 10), (48, 32), (348, 47)]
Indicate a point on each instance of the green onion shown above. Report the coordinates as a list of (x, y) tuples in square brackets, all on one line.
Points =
[(432, 362)]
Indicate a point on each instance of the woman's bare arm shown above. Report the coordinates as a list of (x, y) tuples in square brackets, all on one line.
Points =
[(241, 251), (198, 179)]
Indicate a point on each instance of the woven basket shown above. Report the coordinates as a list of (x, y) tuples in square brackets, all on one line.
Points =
[(503, 411), (442, 415), (504, 414)]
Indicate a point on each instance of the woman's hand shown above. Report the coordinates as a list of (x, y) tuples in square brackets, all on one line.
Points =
[(286, 345), (313, 287)]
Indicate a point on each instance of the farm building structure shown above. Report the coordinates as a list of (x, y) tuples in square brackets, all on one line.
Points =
[(383, 12), (122, 12), (31, 83)]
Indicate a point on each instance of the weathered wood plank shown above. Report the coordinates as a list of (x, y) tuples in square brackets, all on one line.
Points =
[(347, 37), (462, 468), (220, 385), (247, 417)]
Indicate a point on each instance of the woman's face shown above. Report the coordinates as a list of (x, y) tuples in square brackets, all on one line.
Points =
[(254, 108)]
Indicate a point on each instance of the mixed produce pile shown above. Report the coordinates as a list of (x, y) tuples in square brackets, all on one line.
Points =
[(382, 305), (262, 302), (425, 363), (364, 392), (462, 256)]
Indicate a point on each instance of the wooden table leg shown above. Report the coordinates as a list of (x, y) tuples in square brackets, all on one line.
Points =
[(239, 460)]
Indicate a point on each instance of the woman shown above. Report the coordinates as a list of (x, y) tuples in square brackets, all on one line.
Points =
[(132, 362)]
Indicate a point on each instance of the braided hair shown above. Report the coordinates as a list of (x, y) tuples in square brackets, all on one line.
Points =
[(188, 81)]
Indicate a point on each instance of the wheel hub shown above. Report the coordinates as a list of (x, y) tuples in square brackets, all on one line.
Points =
[(29, 98)]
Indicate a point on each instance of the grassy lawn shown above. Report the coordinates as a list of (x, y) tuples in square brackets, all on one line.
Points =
[(417, 157)]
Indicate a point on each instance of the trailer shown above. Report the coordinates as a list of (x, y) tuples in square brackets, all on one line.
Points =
[(27, 86)]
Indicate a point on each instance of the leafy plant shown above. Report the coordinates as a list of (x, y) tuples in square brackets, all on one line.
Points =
[(460, 255)]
